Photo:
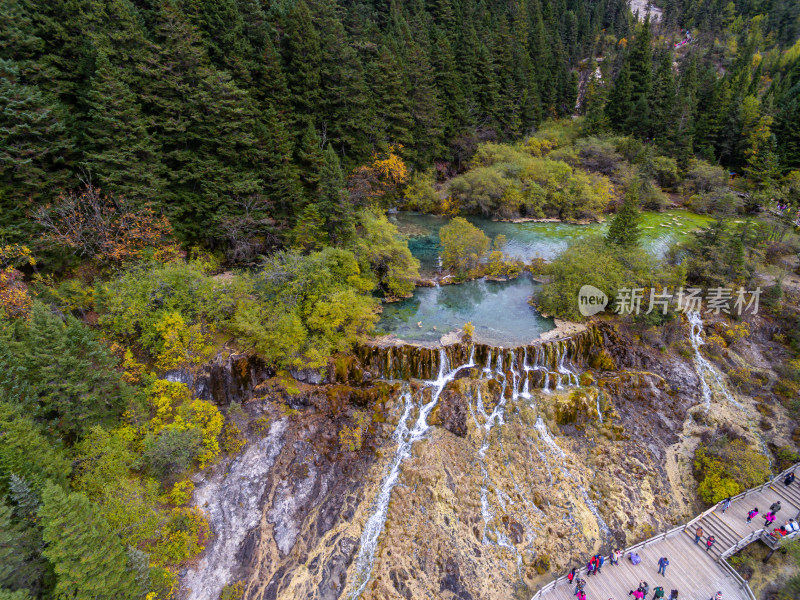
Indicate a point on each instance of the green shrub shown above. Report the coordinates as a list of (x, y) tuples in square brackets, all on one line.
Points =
[(665, 171), (727, 466), (591, 261), (232, 591), (382, 250), (463, 246), (172, 450), (303, 309), (702, 177), (232, 438), (714, 484), (420, 194), (169, 310), (508, 181)]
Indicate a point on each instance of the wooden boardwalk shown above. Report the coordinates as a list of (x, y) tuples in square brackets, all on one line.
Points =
[(697, 574)]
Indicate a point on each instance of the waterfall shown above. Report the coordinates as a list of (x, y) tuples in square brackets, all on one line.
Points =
[(599, 412), (496, 418), (558, 362), (706, 370), (405, 438), (704, 367), (561, 458), (525, 393)]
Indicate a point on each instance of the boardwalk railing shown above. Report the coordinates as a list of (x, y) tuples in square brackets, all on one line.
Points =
[(758, 534), (742, 583)]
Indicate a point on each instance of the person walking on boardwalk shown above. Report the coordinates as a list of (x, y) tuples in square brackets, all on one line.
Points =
[(775, 508), (769, 519), (725, 505), (579, 585), (614, 557), (637, 594), (571, 576), (717, 596), (710, 542), (752, 515), (600, 560), (658, 593), (698, 535), (580, 595), (673, 595), (789, 479), (663, 563), (592, 566), (644, 588)]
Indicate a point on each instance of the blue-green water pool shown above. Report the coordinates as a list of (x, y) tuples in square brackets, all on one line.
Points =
[(530, 240), (499, 311)]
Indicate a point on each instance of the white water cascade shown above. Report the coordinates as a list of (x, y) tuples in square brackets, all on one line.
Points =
[(561, 457), (555, 366), (706, 371), (405, 438)]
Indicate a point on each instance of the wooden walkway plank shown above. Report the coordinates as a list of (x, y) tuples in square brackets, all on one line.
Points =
[(694, 572)]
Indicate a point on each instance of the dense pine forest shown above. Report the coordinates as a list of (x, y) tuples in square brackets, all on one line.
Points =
[(179, 177), (215, 110)]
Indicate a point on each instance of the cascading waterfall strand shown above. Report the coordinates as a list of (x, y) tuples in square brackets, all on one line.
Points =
[(561, 458), (405, 438), (707, 370), (548, 358)]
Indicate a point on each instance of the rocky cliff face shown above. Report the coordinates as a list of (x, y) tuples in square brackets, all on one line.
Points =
[(467, 472)]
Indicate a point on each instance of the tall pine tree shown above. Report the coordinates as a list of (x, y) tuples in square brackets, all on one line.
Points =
[(623, 231), (89, 560), (120, 154)]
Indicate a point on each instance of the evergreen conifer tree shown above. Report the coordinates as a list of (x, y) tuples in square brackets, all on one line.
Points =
[(207, 128), (61, 373), (302, 57), (662, 99), (332, 204), (449, 85), (682, 134), (425, 107), (619, 108), (345, 106), (35, 147), (223, 30), (280, 176), (116, 32), (594, 105), (623, 231), (120, 154), (640, 59), (392, 101), (89, 560), (309, 158)]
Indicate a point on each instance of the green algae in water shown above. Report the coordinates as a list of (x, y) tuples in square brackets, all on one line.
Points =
[(499, 310)]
